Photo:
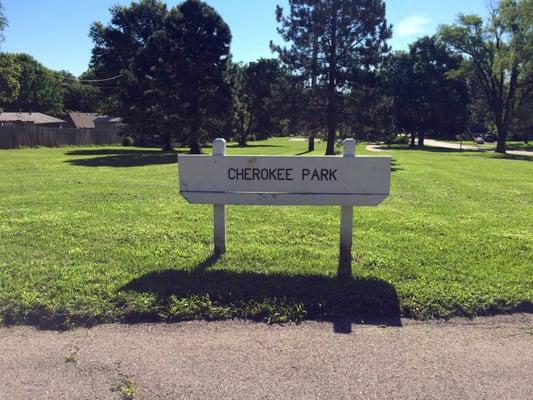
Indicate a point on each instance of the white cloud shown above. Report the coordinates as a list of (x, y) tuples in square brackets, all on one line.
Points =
[(413, 25)]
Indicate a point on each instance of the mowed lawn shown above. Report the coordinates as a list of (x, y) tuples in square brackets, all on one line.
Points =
[(97, 234)]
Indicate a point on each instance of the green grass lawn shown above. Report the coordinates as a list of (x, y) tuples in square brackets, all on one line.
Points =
[(98, 234)]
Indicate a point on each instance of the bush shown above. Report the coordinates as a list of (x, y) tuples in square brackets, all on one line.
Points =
[(402, 139), (397, 138), (127, 141)]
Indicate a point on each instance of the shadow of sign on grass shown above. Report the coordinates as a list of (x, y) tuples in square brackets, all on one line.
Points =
[(272, 297), (395, 166), (122, 157)]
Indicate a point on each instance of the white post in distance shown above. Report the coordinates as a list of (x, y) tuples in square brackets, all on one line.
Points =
[(219, 210), (346, 225)]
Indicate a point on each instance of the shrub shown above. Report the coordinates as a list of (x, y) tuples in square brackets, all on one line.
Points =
[(127, 141)]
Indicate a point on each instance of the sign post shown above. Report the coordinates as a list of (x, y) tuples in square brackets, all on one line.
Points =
[(346, 234), (285, 180), (219, 210)]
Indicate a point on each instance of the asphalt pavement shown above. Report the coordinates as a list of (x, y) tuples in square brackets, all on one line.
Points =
[(483, 358)]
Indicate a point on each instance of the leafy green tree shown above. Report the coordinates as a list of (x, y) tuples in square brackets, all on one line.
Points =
[(27, 85), (9, 78), (329, 39), (200, 39), (428, 96), (92, 95), (186, 62), (39, 89), (78, 95), (258, 98), (240, 111), (303, 104), (117, 45), (479, 110), (366, 109), (299, 112), (500, 56), (171, 67), (118, 52), (522, 125), (265, 83)]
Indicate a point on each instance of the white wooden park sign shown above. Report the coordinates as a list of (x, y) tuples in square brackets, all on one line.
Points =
[(345, 181)]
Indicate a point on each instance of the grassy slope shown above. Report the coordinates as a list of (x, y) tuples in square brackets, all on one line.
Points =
[(101, 234)]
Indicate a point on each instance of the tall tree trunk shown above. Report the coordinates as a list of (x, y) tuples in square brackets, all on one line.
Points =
[(245, 131), (311, 142), (332, 84), (508, 110), (413, 137), (331, 117), (242, 136), (167, 141), (194, 146), (314, 74), (500, 141), (500, 145), (195, 127), (502, 137), (421, 137)]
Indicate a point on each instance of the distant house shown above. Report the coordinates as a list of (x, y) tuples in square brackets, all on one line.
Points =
[(30, 118), (80, 120), (92, 120), (107, 122)]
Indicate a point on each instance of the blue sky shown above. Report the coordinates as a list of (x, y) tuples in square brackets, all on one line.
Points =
[(55, 32)]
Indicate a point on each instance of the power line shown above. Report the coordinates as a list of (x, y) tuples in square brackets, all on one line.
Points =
[(93, 80), (101, 80), (408, 18), (399, 12)]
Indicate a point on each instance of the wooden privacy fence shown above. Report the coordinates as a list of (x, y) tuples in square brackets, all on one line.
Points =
[(14, 136)]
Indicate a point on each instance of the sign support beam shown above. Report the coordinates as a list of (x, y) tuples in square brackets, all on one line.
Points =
[(346, 225), (219, 210)]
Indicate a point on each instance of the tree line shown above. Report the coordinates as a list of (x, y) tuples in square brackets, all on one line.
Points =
[(169, 73), (27, 85)]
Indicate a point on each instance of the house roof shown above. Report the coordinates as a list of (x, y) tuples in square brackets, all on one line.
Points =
[(107, 119), (29, 117), (83, 120), (89, 120)]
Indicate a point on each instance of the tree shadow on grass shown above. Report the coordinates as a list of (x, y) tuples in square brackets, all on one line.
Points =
[(425, 149), (260, 296), (121, 157), (238, 146), (499, 156), (115, 151)]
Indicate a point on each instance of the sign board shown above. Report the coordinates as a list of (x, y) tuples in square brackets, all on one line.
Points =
[(292, 180)]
